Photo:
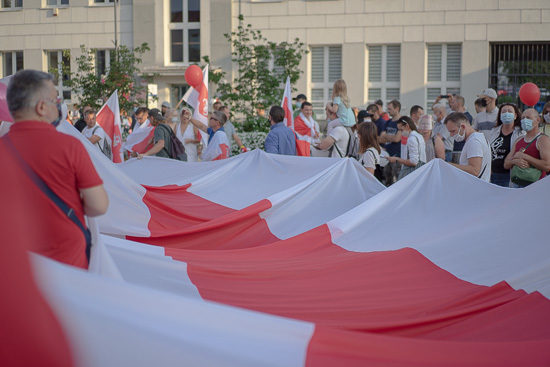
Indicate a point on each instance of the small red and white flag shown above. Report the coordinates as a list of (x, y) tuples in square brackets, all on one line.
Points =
[(141, 138), (286, 104), (198, 99), (108, 118)]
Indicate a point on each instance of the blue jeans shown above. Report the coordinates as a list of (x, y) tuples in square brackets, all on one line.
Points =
[(501, 179)]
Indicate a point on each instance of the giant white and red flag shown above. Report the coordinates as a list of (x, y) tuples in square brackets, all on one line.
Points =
[(198, 98), (108, 118)]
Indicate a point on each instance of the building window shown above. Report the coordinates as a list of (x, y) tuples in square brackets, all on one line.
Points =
[(325, 69), (103, 1), (11, 4), (103, 59), (444, 71), (513, 64), (12, 62), (384, 72), (185, 34), (59, 62), (177, 92), (57, 2)]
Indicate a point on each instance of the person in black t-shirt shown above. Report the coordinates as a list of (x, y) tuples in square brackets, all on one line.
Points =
[(81, 123)]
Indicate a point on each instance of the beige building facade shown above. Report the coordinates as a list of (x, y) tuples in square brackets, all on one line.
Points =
[(411, 50)]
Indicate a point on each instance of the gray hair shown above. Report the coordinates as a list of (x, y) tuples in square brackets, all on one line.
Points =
[(25, 88), (219, 116)]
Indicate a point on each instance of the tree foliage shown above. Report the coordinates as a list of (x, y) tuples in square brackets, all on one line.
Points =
[(262, 69), (123, 75)]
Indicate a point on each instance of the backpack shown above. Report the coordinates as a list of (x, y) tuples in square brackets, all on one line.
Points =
[(378, 170), (106, 149), (352, 150), (177, 150)]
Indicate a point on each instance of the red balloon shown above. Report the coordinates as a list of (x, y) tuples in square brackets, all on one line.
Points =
[(529, 94), (193, 76)]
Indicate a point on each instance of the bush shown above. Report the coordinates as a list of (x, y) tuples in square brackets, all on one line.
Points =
[(251, 140)]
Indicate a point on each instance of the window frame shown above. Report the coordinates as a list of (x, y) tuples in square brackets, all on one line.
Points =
[(59, 86), (108, 57), (14, 61), (185, 26), (443, 85), (326, 85), (56, 5), (383, 84), (11, 7)]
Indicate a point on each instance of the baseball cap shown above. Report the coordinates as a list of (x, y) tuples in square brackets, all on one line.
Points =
[(362, 115), (300, 96), (488, 92), (166, 104)]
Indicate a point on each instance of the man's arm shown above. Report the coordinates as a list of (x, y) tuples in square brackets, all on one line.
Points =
[(95, 200), (394, 138), (271, 144), (473, 167), (159, 145), (326, 143), (199, 125), (94, 139), (544, 162), (237, 140)]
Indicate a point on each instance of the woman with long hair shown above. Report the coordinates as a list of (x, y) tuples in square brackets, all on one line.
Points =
[(188, 134), (369, 149), (501, 138), (340, 98), (415, 149)]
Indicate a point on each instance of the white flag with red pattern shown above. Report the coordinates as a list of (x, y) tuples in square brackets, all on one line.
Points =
[(287, 105), (198, 99), (108, 118)]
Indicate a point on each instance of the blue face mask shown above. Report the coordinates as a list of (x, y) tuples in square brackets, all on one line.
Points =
[(507, 117), (298, 105), (527, 124)]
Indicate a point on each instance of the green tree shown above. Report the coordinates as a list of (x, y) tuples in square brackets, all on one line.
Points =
[(123, 75), (262, 69)]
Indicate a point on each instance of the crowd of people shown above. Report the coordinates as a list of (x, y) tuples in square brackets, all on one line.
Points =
[(494, 143), (500, 144)]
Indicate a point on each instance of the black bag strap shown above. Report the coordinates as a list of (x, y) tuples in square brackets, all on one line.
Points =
[(374, 156), (531, 142), (39, 182)]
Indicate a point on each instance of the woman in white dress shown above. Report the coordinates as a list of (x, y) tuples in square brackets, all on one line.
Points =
[(188, 135)]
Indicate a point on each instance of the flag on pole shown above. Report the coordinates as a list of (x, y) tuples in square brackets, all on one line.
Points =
[(108, 118), (4, 111), (286, 104), (198, 99), (302, 146), (141, 138)]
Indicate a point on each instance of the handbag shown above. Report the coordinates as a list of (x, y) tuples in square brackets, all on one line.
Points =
[(525, 176)]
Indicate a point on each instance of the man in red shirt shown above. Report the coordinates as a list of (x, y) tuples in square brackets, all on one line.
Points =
[(60, 160)]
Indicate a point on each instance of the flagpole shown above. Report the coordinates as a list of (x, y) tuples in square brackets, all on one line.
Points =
[(116, 27)]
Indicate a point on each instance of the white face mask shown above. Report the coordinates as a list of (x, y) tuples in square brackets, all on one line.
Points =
[(547, 118), (460, 138)]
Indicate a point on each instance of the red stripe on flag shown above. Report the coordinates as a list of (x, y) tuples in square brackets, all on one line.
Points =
[(146, 144), (398, 293), (106, 119), (190, 221)]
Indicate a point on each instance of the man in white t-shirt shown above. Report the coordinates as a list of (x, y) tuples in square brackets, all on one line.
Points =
[(93, 132), (475, 157), (486, 120), (337, 135)]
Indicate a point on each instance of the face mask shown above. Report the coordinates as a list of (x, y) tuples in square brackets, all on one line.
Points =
[(175, 119), (460, 138), (367, 119), (405, 133), (59, 114), (507, 117), (527, 124), (547, 118), (298, 105)]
